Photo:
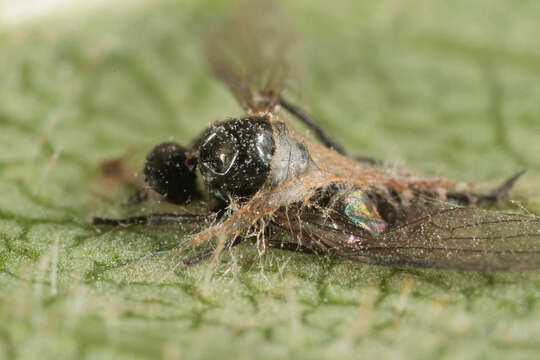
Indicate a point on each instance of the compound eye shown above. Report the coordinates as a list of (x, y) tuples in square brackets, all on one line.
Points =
[(166, 172), (219, 152)]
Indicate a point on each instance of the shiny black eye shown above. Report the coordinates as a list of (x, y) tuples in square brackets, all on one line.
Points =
[(219, 152), (235, 156), (167, 173)]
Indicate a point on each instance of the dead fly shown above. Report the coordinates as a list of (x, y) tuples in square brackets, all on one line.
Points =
[(272, 184)]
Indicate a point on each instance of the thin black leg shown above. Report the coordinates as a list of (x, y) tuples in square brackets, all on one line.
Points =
[(206, 254), (320, 133), (166, 219), (369, 160), (501, 192), (291, 246), (492, 197)]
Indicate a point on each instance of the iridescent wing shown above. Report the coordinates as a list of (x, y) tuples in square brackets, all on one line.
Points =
[(248, 51), (458, 238)]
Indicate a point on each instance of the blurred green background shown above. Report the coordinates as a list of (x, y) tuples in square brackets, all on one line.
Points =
[(447, 88)]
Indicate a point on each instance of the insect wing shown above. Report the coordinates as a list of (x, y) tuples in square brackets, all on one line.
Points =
[(248, 51), (451, 238), (462, 239)]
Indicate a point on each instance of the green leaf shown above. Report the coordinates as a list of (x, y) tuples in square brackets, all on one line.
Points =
[(449, 88)]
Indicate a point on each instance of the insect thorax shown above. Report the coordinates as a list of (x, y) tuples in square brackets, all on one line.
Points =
[(291, 158)]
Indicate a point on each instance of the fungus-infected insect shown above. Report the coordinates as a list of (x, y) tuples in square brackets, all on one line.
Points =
[(269, 180)]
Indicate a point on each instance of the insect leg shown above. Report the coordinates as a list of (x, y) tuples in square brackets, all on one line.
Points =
[(491, 197), (206, 254), (501, 191), (369, 160), (165, 219), (291, 246), (320, 133)]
